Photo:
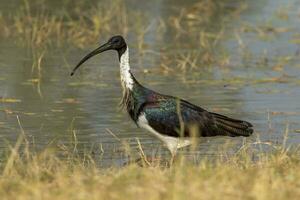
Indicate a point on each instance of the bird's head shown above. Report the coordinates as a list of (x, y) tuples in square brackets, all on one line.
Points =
[(114, 43)]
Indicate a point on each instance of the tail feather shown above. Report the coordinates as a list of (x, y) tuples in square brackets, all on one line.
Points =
[(238, 125), (232, 127)]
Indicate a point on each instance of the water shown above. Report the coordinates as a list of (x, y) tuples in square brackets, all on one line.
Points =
[(259, 83)]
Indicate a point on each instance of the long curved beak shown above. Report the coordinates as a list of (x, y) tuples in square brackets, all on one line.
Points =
[(104, 47)]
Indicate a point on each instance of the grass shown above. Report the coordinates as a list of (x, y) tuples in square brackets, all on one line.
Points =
[(41, 28), (248, 174), (37, 26)]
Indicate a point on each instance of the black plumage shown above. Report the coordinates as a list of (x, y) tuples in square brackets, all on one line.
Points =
[(175, 117)]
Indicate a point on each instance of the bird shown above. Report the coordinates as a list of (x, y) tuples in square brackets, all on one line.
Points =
[(172, 120)]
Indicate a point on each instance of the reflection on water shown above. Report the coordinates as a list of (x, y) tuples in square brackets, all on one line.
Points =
[(259, 81)]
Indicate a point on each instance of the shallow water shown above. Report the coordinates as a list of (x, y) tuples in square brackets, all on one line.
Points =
[(260, 83)]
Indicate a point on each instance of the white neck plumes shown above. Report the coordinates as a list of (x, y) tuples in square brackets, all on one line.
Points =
[(126, 77)]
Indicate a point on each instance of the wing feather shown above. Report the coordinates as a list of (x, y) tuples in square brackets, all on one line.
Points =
[(163, 116)]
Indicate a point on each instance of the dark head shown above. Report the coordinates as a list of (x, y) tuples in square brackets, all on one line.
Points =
[(115, 43)]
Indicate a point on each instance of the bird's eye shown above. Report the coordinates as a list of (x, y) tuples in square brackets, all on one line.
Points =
[(115, 41)]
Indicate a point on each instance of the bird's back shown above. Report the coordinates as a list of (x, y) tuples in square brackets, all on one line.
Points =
[(175, 117)]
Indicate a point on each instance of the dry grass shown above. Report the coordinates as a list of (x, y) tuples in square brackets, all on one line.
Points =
[(205, 23), (43, 175), (36, 26)]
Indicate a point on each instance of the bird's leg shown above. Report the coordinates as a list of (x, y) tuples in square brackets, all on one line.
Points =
[(172, 159), (173, 156), (172, 147)]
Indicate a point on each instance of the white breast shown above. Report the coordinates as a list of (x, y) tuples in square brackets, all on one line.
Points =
[(172, 143)]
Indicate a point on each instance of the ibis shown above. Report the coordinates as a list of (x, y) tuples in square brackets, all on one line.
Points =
[(172, 120)]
